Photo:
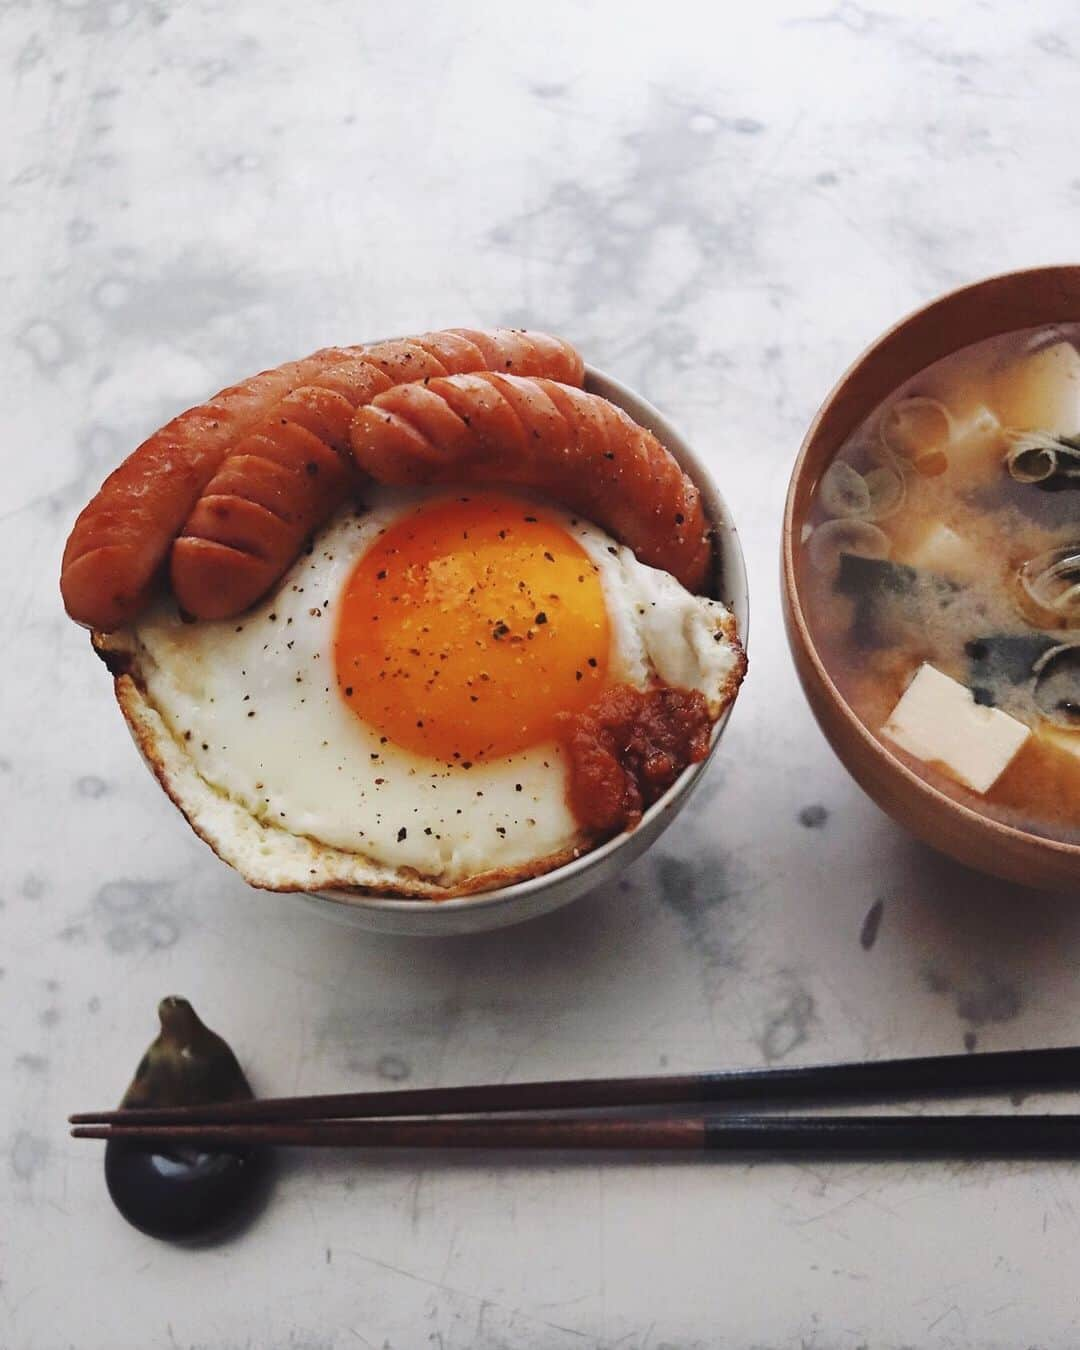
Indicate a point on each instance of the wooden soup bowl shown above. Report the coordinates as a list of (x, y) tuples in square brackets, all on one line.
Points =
[(1002, 304)]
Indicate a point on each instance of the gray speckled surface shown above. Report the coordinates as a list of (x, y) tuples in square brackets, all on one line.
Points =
[(722, 211)]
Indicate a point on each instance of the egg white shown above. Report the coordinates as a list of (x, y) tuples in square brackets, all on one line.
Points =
[(245, 726)]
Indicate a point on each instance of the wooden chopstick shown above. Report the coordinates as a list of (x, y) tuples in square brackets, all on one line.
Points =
[(928, 1076), (843, 1136)]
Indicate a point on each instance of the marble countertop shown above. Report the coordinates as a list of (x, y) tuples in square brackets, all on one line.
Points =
[(721, 211)]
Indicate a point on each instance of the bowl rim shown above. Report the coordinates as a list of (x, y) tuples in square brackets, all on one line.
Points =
[(797, 618), (736, 597)]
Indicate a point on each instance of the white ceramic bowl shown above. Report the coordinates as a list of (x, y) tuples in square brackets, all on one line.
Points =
[(539, 895)]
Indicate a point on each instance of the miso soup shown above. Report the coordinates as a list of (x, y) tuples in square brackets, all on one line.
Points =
[(940, 576)]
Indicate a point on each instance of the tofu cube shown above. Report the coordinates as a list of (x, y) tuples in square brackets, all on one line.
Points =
[(942, 551), (1041, 390), (938, 721)]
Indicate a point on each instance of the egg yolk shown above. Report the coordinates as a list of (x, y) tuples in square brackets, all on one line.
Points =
[(469, 626)]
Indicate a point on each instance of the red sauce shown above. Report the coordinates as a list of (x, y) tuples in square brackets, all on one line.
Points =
[(627, 749)]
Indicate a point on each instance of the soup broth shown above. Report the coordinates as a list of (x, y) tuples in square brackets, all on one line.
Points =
[(940, 577)]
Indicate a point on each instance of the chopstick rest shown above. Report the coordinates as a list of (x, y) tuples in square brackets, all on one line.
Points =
[(181, 1190)]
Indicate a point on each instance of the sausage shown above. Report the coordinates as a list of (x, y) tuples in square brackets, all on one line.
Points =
[(574, 446), (285, 479), (120, 540)]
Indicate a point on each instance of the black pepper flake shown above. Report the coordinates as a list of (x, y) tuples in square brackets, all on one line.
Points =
[(381, 576), (609, 454), (541, 617), (348, 689), (311, 469), (500, 829), (578, 675), (465, 418), (427, 829), (401, 834), (500, 630), (379, 782), (251, 712), (679, 517), (517, 787), (550, 557), (531, 520), (592, 662)]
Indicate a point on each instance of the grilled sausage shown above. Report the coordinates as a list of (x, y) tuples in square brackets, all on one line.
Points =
[(577, 447), (120, 540)]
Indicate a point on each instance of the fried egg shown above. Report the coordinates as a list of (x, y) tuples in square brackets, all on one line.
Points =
[(387, 719)]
